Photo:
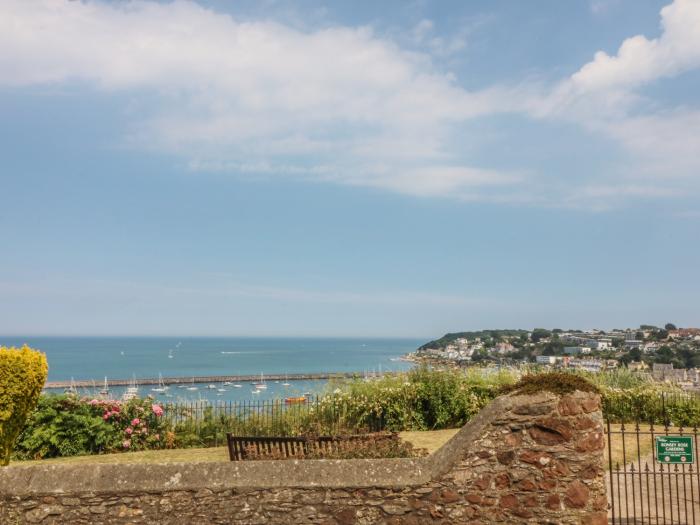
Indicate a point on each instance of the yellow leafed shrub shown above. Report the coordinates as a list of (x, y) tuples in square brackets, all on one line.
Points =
[(22, 376)]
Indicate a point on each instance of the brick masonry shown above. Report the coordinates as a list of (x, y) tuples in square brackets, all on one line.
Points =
[(523, 459)]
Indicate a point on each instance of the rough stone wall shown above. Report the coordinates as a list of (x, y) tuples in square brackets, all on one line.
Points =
[(524, 459)]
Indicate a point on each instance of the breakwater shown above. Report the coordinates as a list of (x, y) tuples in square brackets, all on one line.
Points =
[(182, 380)]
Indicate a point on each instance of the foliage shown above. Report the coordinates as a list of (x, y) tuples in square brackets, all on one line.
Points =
[(23, 373), (617, 378), (484, 335), (422, 399), (68, 426), (654, 403), (538, 334), (556, 382)]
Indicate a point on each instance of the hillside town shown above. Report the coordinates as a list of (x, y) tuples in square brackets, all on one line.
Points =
[(666, 353)]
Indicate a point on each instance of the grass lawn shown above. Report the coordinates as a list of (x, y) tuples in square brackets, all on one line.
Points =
[(629, 452), (431, 441)]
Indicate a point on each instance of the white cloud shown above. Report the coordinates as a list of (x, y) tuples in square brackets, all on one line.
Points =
[(640, 60), (254, 93), (606, 96), (344, 105)]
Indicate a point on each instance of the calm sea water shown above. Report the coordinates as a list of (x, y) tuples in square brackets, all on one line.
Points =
[(86, 358)]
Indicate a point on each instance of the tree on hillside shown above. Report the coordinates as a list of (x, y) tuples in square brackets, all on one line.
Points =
[(538, 334), (670, 326), (553, 348), (632, 355)]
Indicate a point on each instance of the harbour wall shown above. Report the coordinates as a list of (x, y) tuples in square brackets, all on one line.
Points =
[(90, 383)]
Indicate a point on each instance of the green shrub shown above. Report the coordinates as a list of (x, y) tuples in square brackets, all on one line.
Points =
[(657, 404), (68, 426), (23, 373)]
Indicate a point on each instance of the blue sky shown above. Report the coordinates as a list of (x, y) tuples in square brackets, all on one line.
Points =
[(365, 168)]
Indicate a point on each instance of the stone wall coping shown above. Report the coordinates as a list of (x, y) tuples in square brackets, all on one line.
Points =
[(54, 479)]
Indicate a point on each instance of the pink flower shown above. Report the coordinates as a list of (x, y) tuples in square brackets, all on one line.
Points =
[(135, 421), (94, 402), (157, 410), (126, 443), (105, 416), (157, 436), (129, 430)]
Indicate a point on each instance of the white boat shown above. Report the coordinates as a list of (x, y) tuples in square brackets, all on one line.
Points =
[(161, 387), (71, 389), (105, 388), (227, 383), (286, 381), (237, 386), (261, 385), (192, 387), (170, 354), (256, 391), (132, 391), (221, 390), (211, 387)]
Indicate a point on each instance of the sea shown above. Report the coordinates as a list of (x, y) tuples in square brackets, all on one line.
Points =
[(94, 358)]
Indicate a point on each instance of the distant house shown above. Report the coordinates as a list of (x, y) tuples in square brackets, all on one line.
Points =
[(633, 344), (577, 350), (650, 348), (590, 365), (504, 348), (546, 359), (637, 366), (664, 372), (600, 343), (684, 333)]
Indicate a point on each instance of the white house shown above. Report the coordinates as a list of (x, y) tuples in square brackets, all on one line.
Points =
[(577, 350)]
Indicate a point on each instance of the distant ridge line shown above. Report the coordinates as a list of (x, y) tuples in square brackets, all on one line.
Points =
[(206, 379)]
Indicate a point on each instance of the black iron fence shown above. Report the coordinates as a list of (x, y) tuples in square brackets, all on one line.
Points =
[(210, 421), (653, 474)]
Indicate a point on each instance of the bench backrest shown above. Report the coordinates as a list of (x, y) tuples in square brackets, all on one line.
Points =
[(285, 447)]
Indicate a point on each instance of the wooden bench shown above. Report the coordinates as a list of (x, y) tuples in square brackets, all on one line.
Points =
[(285, 447), (265, 446)]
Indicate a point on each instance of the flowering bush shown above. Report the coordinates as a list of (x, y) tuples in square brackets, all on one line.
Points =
[(139, 422), (69, 426)]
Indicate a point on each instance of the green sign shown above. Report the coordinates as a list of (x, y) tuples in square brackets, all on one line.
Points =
[(674, 449)]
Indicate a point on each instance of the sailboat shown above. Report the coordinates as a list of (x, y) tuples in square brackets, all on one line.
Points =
[(170, 353), (286, 381), (161, 387), (131, 391), (192, 387), (71, 389), (105, 388), (261, 385)]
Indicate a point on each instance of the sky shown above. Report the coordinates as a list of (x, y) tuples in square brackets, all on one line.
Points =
[(308, 168)]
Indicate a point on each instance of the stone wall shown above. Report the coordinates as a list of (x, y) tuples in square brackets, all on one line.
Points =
[(523, 459)]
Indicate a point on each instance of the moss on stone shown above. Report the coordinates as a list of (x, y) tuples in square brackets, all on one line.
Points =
[(559, 383)]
